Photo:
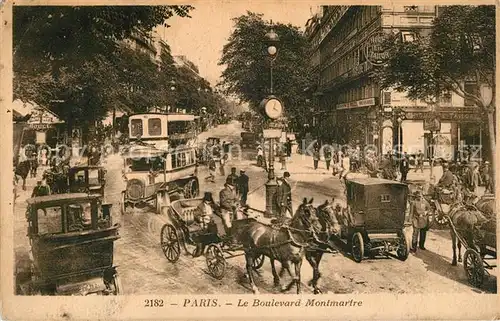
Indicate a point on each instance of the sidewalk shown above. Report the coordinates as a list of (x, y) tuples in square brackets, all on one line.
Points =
[(303, 165)]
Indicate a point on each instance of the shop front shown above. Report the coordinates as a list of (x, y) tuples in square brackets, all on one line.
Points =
[(462, 128)]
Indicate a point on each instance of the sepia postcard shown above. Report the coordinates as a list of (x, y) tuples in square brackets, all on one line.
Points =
[(238, 160)]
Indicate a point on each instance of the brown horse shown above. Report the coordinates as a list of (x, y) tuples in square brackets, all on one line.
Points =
[(329, 226), (22, 170), (464, 219), (286, 244)]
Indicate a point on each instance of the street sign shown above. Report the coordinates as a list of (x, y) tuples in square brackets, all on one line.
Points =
[(272, 133)]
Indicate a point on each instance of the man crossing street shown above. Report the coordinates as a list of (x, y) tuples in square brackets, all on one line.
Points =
[(228, 203)]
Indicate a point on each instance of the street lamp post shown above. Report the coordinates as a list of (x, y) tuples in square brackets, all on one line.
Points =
[(271, 185)]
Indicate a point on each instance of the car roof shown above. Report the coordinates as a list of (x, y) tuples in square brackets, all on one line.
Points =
[(61, 198), (373, 181), (79, 167)]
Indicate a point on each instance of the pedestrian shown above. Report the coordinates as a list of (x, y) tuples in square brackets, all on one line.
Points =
[(211, 170), (345, 166), (243, 186), (283, 158), (41, 189), (288, 147), (404, 167), (222, 163), (284, 197), (233, 177), (487, 178), (471, 181), (228, 205), (420, 162), (260, 156), (420, 221), (327, 152), (316, 155)]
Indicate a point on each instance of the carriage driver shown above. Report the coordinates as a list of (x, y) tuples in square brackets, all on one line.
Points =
[(228, 203)]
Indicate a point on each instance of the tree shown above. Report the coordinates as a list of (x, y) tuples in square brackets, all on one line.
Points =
[(460, 47), (74, 55), (247, 73)]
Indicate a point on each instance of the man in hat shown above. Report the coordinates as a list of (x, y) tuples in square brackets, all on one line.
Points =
[(233, 177), (284, 196), (486, 176), (471, 180), (228, 204), (243, 186), (204, 215), (41, 189), (447, 178), (404, 167), (420, 221)]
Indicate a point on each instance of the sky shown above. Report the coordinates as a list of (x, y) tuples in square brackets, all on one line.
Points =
[(202, 37)]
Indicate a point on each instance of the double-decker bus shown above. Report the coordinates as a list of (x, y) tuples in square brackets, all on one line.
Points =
[(161, 158)]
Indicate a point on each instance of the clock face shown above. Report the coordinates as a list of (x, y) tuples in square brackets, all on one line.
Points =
[(273, 108)]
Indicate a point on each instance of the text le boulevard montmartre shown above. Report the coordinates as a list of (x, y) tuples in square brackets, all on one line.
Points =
[(298, 303)]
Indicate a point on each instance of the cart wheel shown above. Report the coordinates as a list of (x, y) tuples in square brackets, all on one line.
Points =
[(216, 263), (170, 243), (473, 266), (404, 247), (258, 261), (123, 206), (191, 189), (114, 285), (357, 247)]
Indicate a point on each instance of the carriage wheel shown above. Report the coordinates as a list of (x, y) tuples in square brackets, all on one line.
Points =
[(123, 206), (114, 285), (258, 261), (357, 247), (474, 268), (191, 189), (216, 263), (404, 247), (170, 243)]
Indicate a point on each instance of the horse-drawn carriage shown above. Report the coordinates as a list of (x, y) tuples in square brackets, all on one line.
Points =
[(473, 225), (71, 237), (254, 236), (373, 221), (187, 229)]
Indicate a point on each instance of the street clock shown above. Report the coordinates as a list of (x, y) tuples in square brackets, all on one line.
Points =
[(273, 108)]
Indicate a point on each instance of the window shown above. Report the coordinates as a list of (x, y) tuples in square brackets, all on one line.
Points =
[(445, 98), (136, 129), (49, 220), (408, 36), (154, 127), (178, 127)]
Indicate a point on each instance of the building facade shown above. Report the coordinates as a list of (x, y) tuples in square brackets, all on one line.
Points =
[(349, 39)]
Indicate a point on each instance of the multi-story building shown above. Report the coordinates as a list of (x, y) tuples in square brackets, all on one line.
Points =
[(349, 39)]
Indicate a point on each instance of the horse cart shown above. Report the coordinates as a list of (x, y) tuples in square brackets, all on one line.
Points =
[(373, 221), (185, 229), (474, 227), (71, 237)]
